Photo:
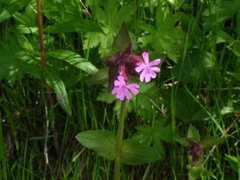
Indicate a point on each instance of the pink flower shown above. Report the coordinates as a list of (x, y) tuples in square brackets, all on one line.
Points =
[(148, 70), (122, 90)]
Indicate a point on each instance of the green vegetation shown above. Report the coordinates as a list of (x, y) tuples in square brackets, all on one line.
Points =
[(183, 125)]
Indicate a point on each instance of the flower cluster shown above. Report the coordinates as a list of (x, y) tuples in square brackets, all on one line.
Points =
[(133, 65)]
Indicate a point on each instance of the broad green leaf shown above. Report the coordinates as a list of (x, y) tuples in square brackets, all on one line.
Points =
[(193, 133), (163, 131), (101, 77), (183, 141), (102, 141), (194, 172), (137, 154), (58, 86), (75, 25), (144, 134), (74, 59), (211, 141), (10, 9), (234, 162), (106, 96)]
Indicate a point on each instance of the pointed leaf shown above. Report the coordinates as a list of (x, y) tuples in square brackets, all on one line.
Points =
[(102, 141), (193, 133), (211, 141), (183, 141), (101, 77), (136, 154), (74, 59), (9, 10), (122, 40), (58, 86)]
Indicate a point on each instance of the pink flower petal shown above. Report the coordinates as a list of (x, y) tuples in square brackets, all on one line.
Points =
[(121, 79), (155, 62), (117, 83), (156, 69), (145, 57), (128, 95), (142, 75), (152, 74), (147, 77), (133, 88), (115, 90), (140, 67), (123, 90)]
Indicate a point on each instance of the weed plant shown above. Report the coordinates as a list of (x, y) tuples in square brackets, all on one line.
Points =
[(190, 113)]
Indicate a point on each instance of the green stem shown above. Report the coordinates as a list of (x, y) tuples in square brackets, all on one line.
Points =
[(117, 166)]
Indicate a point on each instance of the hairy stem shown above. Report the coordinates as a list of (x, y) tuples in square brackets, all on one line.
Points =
[(49, 94), (117, 166)]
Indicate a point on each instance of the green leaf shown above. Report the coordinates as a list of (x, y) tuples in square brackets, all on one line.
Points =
[(235, 47), (234, 75), (106, 96), (137, 154), (211, 141), (101, 77), (176, 3), (74, 25), (183, 141), (58, 86), (234, 162), (148, 101), (227, 110), (10, 9), (163, 131), (17, 59), (194, 172), (188, 107), (74, 59), (102, 141), (167, 37), (122, 40), (197, 67), (193, 133)]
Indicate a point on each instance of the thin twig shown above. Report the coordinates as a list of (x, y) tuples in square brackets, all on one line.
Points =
[(45, 150), (40, 29)]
